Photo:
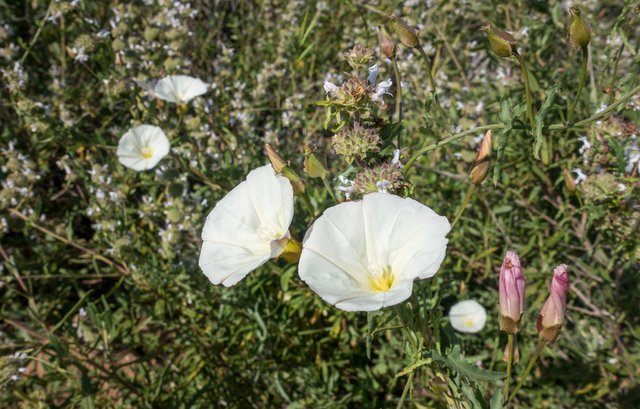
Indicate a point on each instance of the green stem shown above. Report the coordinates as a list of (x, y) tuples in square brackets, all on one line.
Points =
[(465, 202), (507, 381), (405, 391), (448, 140), (608, 109), (396, 73), (582, 75), (524, 376), (329, 189), (527, 87), (432, 82)]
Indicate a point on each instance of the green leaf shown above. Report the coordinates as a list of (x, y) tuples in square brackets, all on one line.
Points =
[(455, 361), (549, 96), (408, 369), (496, 400)]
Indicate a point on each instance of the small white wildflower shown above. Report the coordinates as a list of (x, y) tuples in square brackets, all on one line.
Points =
[(373, 74), (382, 186), (396, 159), (80, 53), (330, 88), (468, 316), (580, 176), (381, 90), (586, 145)]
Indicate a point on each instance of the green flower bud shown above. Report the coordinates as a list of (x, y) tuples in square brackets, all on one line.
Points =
[(407, 34), (579, 29), (482, 162), (502, 43)]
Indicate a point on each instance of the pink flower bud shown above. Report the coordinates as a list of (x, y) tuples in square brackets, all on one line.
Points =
[(551, 316), (511, 289)]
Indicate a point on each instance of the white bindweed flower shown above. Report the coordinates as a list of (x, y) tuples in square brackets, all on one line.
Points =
[(365, 255), (142, 147), (468, 316), (179, 88), (247, 227)]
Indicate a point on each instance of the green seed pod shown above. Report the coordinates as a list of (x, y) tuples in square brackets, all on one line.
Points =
[(502, 43), (407, 34), (579, 29)]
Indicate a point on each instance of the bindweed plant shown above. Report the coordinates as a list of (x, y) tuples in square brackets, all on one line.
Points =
[(310, 204)]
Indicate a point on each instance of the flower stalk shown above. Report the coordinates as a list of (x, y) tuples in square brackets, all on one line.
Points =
[(524, 376), (510, 349), (581, 79), (527, 87)]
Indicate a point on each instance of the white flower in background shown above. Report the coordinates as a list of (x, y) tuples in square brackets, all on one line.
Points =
[(330, 88), (396, 159), (468, 316), (179, 88), (142, 147), (373, 74), (381, 90), (345, 186), (365, 255), (580, 176), (247, 227)]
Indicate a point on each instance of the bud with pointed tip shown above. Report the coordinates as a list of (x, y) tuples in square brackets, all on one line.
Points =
[(516, 354), (407, 34), (579, 29), (387, 46), (276, 160), (511, 291), (551, 316), (281, 167), (502, 43), (482, 162)]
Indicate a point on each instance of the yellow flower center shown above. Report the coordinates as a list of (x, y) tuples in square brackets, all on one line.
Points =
[(468, 322), (147, 153), (383, 282)]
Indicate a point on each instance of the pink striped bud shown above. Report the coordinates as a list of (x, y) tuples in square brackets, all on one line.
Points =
[(551, 316), (511, 289)]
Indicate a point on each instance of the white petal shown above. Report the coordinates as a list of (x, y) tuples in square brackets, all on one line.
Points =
[(468, 316), (350, 246), (239, 232), (179, 88), (142, 147), (330, 87)]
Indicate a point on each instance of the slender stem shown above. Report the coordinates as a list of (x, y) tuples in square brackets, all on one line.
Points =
[(35, 37), (405, 390), (582, 75), (532, 361), (527, 87), (432, 82), (465, 202), (608, 109), (120, 267), (507, 380), (329, 189), (448, 140), (396, 73)]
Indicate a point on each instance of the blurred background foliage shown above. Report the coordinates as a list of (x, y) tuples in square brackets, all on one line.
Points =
[(114, 311)]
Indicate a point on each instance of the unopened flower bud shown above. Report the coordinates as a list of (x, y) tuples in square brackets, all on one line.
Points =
[(276, 160), (408, 35), (482, 162), (387, 46), (312, 165), (511, 291), (551, 317), (281, 167), (502, 43), (516, 354), (579, 29)]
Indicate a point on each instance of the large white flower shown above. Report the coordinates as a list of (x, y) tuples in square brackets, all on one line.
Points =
[(365, 255), (142, 147), (247, 227), (468, 316), (179, 88)]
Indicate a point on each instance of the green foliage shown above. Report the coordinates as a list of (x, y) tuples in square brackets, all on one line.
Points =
[(100, 287)]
